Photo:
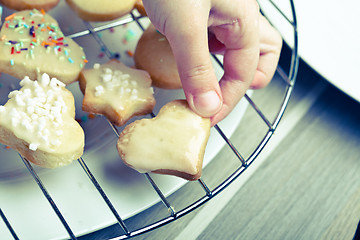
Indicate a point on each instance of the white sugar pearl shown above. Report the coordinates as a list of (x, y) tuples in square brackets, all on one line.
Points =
[(55, 84), (33, 146), (107, 77), (96, 66), (12, 94), (59, 132), (107, 71), (125, 83), (45, 80), (2, 109), (14, 121), (55, 142), (134, 92), (99, 90), (26, 80)]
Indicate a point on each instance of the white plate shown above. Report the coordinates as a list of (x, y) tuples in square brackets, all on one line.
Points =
[(329, 38), (27, 209)]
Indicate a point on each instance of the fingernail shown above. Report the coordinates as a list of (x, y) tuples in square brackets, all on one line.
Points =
[(207, 104)]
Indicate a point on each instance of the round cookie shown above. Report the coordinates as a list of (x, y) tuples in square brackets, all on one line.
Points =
[(104, 10), (116, 91), (38, 122), (31, 43), (154, 55), (20, 5), (172, 143)]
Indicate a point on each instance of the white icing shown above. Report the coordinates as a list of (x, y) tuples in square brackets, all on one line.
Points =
[(172, 140), (116, 81), (36, 109), (124, 90)]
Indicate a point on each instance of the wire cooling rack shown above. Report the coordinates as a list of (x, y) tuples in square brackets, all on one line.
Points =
[(287, 76)]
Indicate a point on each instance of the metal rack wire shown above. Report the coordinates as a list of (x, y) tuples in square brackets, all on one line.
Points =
[(289, 79)]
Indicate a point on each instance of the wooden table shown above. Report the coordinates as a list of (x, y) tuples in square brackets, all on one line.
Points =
[(305, 184)]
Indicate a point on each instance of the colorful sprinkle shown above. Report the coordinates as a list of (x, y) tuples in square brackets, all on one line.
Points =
[(101, 55), (84, 59), (84, 118), (92, 116), (42, 34), (130, 34), (129, 53), (8, 18)]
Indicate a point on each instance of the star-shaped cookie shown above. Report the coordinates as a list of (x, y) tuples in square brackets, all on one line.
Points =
[(116, 91)]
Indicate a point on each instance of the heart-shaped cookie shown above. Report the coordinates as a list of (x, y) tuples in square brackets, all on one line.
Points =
[(38, 122), (116, 91), (172, 143), (104, 10), (31, 43)]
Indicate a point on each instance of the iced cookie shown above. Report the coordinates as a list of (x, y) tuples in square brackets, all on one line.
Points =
[(30, 4), (104, 10), (172, 143), (116, 91), (38, 122), (154, 55), (32, 43)]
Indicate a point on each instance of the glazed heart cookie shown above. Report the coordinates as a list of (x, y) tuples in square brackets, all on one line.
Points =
[(154, 55), (172, 143), (31, 42), (38, 122), (116, 91), (104, 10), (29, 4)]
